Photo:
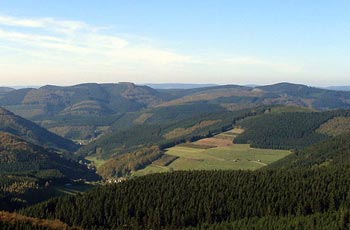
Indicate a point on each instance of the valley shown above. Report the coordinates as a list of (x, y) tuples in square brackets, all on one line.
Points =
[(123, 139)]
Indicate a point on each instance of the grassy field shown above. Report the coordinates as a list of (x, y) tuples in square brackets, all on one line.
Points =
[(232, 157)]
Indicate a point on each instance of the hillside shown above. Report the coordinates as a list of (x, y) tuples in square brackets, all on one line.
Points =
[(287, 130), (19, 156), (31, 132), (320, 221), (28, 172), (166, 128), (335, 151), (191, 199)]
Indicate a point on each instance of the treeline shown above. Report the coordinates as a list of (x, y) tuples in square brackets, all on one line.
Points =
[(184, 199), (125, 164), (165, 160), (285, 130)]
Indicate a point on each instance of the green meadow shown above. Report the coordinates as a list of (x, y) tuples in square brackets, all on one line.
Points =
[(235, 157)]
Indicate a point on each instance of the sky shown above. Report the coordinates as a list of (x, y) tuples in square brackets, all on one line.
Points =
[(174, 41)]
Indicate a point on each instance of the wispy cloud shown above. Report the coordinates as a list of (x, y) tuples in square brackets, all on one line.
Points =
[(48, 46), (66, 38), (63, 26)]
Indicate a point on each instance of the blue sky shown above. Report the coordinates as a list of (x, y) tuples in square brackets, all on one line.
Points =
[(217, 41)]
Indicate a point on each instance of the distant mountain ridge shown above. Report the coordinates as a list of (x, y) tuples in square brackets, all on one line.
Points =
[(104, 99), (6, 89), (177, 85), (86, 111)]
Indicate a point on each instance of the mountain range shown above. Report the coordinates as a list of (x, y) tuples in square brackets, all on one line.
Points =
[(86, 111)]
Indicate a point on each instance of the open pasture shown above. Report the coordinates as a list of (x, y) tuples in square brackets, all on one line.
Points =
[(216, 153), (234, 157)]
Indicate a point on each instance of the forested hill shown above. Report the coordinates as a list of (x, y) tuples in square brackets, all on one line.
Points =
[(335, 151), (80, 112), (18, 156), (31, 132), (29, 173), (292, 130), (183, 199), (83, 99)]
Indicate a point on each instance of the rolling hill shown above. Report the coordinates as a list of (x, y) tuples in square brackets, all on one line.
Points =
[(85, 112), (84, 99), (80, 112)]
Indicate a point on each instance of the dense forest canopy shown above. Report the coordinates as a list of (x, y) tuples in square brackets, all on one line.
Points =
[(183, 199), (286, 130)]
